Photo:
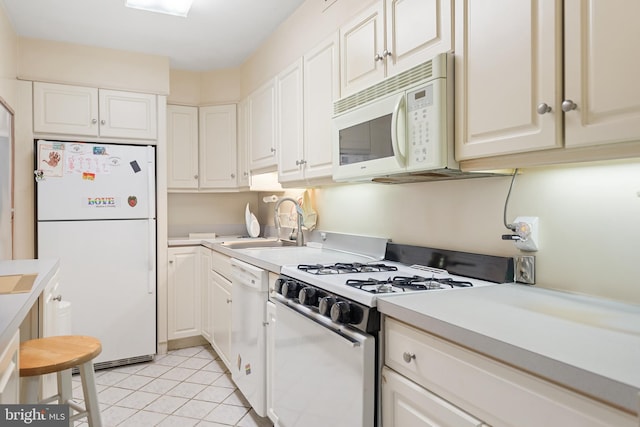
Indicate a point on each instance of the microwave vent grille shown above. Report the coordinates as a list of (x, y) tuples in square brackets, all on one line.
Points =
[(386, 87)]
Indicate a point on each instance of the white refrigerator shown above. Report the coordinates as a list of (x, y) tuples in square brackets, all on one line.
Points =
[(96, 213)]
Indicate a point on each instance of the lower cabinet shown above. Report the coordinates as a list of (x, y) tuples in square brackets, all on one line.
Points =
[(428, 381), (220, 311), (183, 289), (10, 372), (407, 404), (205, 293)]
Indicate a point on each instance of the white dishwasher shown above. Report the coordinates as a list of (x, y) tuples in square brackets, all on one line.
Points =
[(248, 332)]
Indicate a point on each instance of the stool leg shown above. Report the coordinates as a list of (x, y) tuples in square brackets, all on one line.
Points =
[(64, 386), (90, 394), (30, 389)]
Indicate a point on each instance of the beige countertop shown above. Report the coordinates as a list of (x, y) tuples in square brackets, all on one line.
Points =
[(15, 307), (584, 343)]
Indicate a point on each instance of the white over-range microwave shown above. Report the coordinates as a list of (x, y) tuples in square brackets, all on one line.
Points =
[(401, 127)]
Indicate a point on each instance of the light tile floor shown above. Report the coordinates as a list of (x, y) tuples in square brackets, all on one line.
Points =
[(184, 388)]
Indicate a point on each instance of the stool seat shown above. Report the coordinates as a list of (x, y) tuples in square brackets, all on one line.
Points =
[(59, 355), (53, 354)]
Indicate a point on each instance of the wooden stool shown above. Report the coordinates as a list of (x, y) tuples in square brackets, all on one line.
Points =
[(58, 355)]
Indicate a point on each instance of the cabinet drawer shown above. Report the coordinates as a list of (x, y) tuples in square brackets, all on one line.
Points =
[(221, 264), (492, 391)]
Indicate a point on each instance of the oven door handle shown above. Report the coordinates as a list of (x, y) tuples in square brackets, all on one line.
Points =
[(350, 338)]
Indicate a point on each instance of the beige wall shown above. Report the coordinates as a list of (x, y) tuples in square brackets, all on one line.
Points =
[(204, 88), (56, 62)]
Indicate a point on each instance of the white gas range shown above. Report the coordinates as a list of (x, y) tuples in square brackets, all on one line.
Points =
[(328, 326)]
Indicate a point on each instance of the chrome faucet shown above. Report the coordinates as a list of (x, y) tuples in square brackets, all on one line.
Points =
[(276, 220)]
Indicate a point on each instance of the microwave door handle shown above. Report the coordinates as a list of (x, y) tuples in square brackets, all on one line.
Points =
[(397, 111)]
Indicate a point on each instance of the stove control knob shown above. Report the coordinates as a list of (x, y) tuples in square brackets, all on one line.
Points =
[(341, 312), (325, 305), (308, 296), (289, 289)]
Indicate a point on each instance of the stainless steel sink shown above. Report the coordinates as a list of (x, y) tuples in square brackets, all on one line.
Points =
[(266, 243)]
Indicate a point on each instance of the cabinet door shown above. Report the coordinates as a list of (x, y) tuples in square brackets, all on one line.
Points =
[(262, 127), (221, 316), (183, 288), (290, 123), (417, 30), (602, 65), (63, 109), (50, 324), (507, 64), (128, 115), (10, 372), (362, 48), (218, 155), (272, 316), (205, 296), (182, 147), (321, 89), (406, 404), (243, 144)]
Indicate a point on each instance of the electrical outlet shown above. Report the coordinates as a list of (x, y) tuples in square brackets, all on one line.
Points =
[(527, 232), (525, 266)]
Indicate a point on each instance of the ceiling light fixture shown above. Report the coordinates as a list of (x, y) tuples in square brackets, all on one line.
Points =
[(170, 7)]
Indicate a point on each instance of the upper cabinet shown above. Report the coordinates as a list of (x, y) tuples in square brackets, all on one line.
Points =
[(390, 37), (602, 65), (85, 111), (243, 145), (306, 91), (201, 147), (218, 151), (552, 82), (262, 127), (182, 147)]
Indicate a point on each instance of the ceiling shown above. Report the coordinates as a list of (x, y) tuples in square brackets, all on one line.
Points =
[(217, 33)]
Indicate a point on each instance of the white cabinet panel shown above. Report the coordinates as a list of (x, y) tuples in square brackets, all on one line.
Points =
[(406, 404), (183, 288), (86, 111), (390, 37), (602, 65), (218, 151), (182, 147), (10, 372), (206, 293), (128, 115), (65, 109), (262, 127), (290, 123), (221, 316), (507, 63)]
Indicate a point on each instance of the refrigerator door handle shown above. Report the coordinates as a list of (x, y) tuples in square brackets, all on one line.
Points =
[(152, 249)]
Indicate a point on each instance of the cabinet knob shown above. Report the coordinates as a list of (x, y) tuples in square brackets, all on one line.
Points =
[(170, 261), (378, 57), (94, 121), (273, 150), (233, 175), (386, 53), (543, 108), (228, 300), (246, 174), (103, 122), (195, 176), (58, 298), (568, 105), (407, 357)]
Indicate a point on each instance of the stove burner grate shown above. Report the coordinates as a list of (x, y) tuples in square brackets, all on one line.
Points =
[(405, 283), (343, 268)]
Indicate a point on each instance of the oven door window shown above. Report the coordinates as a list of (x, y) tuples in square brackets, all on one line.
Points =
[(366, 141)]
